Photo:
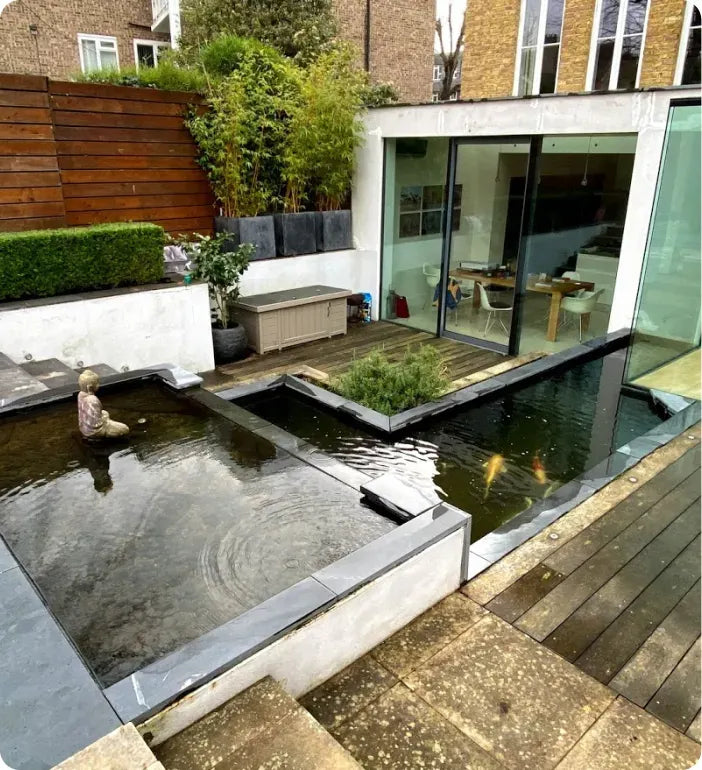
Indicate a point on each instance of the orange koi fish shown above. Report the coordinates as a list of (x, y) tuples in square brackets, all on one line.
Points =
[(539, 470), (495, 465)]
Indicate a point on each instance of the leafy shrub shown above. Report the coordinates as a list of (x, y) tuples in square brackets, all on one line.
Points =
[(226, 53), (376, 383), (166, 76), (43, 263), (379, 94)]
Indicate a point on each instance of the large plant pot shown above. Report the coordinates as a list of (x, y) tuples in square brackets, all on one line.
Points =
[(229, 344), (334, 230), (295, 233), (257, 230)]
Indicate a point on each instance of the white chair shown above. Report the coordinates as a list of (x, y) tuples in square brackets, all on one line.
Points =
[(573, 275), (585, 303), (494, 309)]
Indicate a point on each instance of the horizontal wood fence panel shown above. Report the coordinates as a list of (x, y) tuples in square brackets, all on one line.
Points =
[(120, 135), (85, 153), (10, 98), (132, 201), (107, 189)]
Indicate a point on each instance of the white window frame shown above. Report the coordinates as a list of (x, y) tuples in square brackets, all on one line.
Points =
[(98, 40), (438, 72), (155, 44), (540, 34), (684, 37), (618, 44)]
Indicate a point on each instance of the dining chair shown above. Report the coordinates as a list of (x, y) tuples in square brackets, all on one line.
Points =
[(580, 305), (494, 309), (573, 275)]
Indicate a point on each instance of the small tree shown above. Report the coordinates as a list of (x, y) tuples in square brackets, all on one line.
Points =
[(450, 54), (221, 269)]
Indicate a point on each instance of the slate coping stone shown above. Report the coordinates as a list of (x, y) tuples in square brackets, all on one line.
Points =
[(6, 362), (16, 385), (52, 372), (608, 469), (400, 495)]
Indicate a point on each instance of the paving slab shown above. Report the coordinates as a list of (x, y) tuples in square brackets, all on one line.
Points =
[(517, 700), (627, 737), (428, 634), (52, 372), (399, 730), (342, 696), (122, 749)]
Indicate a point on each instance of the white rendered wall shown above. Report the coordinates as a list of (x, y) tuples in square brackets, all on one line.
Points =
[(354, 269), (316, 651), (643, 113), (133, 329)]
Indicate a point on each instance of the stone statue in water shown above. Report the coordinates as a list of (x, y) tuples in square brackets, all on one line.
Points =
[(93, 420)]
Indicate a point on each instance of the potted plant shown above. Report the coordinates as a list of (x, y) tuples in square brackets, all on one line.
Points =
[(222, 269)]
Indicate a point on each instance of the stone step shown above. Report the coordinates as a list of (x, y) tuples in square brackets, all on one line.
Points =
[(15, 382), (261, 727), (51, 372), (102, 370)]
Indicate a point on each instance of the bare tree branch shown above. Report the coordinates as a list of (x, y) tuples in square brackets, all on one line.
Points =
[(450, 60)]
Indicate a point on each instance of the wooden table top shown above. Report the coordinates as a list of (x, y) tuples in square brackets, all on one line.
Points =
[(548, 286)]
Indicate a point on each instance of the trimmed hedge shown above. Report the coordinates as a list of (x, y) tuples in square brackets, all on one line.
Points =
[(43, 263)]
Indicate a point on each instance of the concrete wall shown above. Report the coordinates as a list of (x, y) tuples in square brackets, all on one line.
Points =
[(132, 329), (644, 114)]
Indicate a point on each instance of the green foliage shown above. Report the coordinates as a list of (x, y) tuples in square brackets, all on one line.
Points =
[(324, 132), (43, 263), (379, 94), (221, 269), (241, 138), (226, 54), (297, 28), (389, 388), (166, 76)]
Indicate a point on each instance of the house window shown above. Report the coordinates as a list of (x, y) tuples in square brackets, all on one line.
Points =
[(147, 52), (97, 52), (438, 72), (435, 97), (421, 209), (539, 47), (616, 51), (687, 72)]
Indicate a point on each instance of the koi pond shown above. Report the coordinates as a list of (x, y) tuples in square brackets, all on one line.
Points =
[(494, 459), (142, 545)]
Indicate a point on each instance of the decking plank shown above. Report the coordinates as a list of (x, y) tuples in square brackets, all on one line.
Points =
[(678, 700), (653, 662), (553, 609), (580, 630), (514, 601)]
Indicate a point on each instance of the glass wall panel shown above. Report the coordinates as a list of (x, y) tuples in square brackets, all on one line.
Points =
[(667, 321), (415, 180), (571, 251)]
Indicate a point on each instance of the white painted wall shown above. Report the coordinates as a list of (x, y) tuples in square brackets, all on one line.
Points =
[(355, 269), (133, 329), (327, 644), (643, 113)]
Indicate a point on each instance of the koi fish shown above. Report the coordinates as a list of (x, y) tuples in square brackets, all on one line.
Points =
[(495, 465), (552, 488), (539, 470)]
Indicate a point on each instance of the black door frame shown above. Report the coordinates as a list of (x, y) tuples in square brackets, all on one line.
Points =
[(528, 205)]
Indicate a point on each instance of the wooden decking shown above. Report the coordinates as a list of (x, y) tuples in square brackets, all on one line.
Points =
[(621, 599), (334, 355)]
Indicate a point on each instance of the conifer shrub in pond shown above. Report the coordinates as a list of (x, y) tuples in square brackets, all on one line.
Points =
[(391, 387)]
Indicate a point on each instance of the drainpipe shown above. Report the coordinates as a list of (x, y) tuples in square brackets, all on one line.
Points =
[(368, 36)]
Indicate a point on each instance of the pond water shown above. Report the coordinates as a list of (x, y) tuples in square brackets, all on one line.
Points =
[(143, 545), (570, 421)]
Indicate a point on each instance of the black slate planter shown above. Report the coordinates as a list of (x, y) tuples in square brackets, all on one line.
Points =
[(295, 233), (334, 230), (256, 230), (229, 344)]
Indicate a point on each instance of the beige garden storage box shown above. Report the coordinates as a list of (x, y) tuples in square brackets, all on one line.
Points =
[(281, 319)]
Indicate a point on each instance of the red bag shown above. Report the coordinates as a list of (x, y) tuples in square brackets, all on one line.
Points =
[(401, 307)]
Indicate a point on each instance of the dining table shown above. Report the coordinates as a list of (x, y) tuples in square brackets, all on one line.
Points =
[(556, 287)]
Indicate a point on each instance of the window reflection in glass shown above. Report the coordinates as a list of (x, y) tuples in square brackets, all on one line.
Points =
[(691, 69), (549, 69)]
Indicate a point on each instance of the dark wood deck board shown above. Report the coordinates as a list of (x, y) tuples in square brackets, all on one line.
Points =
[(515, 600), (678, 700)]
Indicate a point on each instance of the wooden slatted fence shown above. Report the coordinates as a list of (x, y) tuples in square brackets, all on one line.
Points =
[(82, 153)]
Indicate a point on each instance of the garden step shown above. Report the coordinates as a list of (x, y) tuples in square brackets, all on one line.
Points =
[(261, 727), (15, 384), (51, 372), (102, 370)]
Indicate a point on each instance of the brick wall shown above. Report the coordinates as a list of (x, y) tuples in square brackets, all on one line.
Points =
[(575, 45), (53, 50), (492, 29), (665, 20)]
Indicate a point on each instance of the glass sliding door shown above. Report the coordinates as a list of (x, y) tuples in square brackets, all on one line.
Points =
[(413, 221), (488, 182)]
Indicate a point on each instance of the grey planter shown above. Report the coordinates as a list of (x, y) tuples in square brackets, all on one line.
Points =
[(295, 233), (229, 344), (334, 230), (257, 230)]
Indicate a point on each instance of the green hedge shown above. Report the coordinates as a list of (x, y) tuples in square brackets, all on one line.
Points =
[(43, 263)]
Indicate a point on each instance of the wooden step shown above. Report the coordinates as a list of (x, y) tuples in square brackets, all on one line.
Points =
[(261, 727)]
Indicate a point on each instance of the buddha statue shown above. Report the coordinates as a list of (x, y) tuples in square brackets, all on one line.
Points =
[(93, 421)]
